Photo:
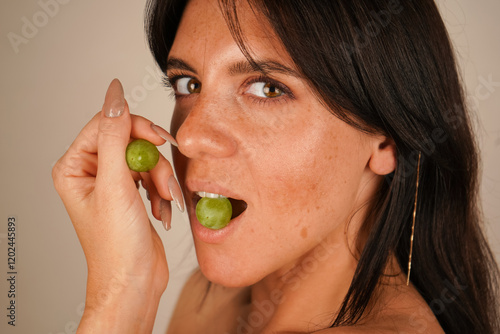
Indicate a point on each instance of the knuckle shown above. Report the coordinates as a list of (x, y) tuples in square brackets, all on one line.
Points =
[(108, 127), (55, 172), (62, 172), (59, 171)]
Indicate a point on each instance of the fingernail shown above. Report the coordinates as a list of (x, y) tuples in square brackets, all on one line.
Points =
[(114, 103), (176, 193), (164, 134), (165, 213)]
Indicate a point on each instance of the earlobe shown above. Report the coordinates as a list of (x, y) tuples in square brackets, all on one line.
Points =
[(383, 159)]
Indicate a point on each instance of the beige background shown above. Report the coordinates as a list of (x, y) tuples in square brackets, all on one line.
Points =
[(56, 81)]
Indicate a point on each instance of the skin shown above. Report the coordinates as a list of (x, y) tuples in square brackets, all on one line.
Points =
[(272, 152), (306, 176), (299, 233)]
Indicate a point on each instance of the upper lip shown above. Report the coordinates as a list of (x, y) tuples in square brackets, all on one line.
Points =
[(211, 187)]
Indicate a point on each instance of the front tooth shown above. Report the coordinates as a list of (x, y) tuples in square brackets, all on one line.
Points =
[(209, 195)]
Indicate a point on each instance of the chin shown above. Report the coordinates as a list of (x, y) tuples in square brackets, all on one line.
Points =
[(226, 272)]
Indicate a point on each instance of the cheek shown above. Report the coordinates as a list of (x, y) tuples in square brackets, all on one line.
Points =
[(311, 185), (300, 202)]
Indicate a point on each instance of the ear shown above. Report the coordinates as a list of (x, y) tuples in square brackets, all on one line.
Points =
[(383, 158)]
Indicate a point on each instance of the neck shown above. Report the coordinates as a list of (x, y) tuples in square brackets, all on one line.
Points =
[(313, 287), (307, 294)]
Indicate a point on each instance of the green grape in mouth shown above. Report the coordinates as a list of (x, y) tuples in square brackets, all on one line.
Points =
[(141, 155), (214, 213)]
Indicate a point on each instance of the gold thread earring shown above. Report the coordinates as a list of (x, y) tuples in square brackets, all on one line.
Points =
[(413, 223)]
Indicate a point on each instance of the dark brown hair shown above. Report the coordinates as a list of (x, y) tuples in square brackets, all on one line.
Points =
[(387, 66)]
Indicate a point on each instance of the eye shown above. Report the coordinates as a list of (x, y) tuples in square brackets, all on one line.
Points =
[(187, 85), (265, 89)]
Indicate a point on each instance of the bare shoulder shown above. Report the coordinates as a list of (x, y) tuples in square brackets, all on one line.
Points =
[(200, 302), (405, 312), (381, 330)]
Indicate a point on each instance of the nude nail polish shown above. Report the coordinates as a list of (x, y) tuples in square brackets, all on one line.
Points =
[(176, 193), (166, 213), (114, 103), (164, 134)]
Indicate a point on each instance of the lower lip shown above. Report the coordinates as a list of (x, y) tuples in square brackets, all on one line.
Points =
[(210, 236)]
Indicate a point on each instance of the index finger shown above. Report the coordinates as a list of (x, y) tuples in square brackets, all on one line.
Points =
[(145, 129)]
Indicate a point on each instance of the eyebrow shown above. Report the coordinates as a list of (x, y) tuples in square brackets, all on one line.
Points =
[(179, 64), (241, 67), (264, 67)]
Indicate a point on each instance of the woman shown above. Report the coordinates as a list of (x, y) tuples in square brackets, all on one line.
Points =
[(339, 132)]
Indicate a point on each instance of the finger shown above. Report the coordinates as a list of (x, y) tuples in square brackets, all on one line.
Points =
[(166, 213), (160, 176), (72, 169), (85, 145), (161, 208), (145, 129), (86, 141), (154, 197), (166, 184), (113, 137), (77, 161), (136, 176)]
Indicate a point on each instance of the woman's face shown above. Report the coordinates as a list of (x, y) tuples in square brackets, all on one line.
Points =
[(263, 139)]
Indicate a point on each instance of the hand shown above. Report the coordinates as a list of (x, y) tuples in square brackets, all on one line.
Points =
[(125, 256)]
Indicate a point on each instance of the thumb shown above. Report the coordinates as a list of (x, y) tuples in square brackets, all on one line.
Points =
[(113, 137)]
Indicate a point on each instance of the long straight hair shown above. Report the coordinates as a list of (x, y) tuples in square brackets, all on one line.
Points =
[(385, 66)]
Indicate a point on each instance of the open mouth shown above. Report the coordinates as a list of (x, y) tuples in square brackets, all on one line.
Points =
[(238, 206)]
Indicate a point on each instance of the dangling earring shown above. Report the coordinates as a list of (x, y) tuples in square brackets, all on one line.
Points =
[(413, 223)]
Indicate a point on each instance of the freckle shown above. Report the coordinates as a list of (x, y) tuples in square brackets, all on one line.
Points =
[(303, 232)]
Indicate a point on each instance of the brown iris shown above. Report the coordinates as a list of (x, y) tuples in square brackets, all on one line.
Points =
[(194, 86), (271, 90)]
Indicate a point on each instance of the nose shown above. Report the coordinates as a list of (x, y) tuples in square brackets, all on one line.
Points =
[(205, 132)]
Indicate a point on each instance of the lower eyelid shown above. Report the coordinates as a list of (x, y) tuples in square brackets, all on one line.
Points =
[(269, 102)]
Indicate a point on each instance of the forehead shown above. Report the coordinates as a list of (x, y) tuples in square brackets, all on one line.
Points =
[(204, 33)]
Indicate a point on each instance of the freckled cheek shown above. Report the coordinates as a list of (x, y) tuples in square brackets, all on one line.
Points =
[(287, 189), (311, 197)]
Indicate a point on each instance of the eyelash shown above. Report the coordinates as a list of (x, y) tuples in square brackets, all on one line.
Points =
[(287, 93), (170, 81)]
